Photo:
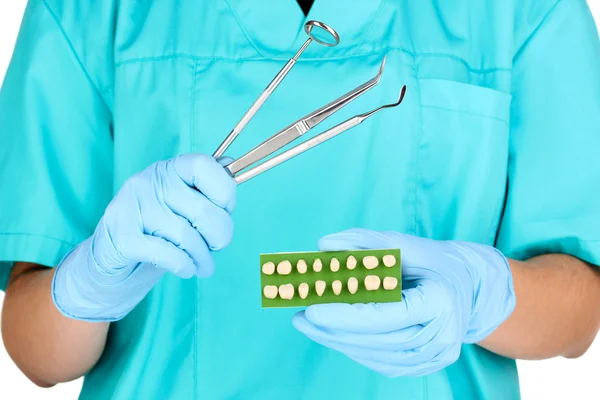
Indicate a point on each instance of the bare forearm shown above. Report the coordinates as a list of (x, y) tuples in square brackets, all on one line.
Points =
[(557, 311), (48, 347)]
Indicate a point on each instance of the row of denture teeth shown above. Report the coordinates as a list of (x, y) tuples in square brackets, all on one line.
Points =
[(285, 267), (287, 291)]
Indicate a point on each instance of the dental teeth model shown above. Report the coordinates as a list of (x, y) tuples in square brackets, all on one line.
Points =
[(353, 276)]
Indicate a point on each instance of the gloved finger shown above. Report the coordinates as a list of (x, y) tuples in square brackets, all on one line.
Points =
[(208, 176), (411, 361), (410, 338), (355, 239), (225, 161), (384, 359), (179, 232), (435, 350), (419, 361), (416, 251), (146, 275), (159, 252), (374, 317), (214, 224), (394, 371), (443, 346), (398, 358), (211, 221), (386, 341)]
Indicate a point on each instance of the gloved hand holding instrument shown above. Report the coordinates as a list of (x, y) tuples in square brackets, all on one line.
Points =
[(454, 293), (167, 218)]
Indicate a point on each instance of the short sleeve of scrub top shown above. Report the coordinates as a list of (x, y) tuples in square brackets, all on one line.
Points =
[(553, 203), (55, 135)]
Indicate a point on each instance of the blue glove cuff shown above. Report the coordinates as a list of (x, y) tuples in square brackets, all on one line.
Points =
[(81, 290), (494, 294)]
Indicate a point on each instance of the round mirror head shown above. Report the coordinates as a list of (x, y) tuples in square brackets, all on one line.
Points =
[(322, 33)]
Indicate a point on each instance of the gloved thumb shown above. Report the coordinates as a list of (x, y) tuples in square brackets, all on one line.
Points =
[(225, 161), (356, 239)]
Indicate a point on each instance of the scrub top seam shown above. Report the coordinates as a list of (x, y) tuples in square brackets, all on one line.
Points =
[(38, 236), (368, 30), (535, 31), (500, 208), (313, 59), (108, 89), (195, 374), (193, 106), (499, 119), (74, 52), (417, 152), (195, 344), (238, 21)]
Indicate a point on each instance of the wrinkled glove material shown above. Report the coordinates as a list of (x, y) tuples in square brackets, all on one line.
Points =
[(170, 217), (454, 293)]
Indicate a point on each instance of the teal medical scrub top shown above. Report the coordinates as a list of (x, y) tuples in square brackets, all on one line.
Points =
[(496, 142)]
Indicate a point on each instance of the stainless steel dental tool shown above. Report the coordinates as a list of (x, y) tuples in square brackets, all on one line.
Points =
[(239, 168), (331, 39)]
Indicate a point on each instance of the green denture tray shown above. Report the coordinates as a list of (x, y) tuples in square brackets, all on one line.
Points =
[(354, 276)]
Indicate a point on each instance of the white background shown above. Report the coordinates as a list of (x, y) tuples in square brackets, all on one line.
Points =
[(558, 378)]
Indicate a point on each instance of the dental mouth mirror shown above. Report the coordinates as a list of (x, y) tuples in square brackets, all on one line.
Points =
[(316, 31)]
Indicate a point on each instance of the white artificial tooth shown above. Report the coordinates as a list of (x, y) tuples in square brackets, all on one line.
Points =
[(320, 287), (303, 290), (390, 283), (286, 292), (284, 267), (317, 265), (268, 268), (370, 262), (389, 260), (352, 285), (372, 282), (351, 262), (302, 267), (270, 291), (337, 287), (334, 265)]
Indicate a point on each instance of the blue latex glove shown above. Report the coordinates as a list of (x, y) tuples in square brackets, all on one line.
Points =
[(453, 293), (167, 218)]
